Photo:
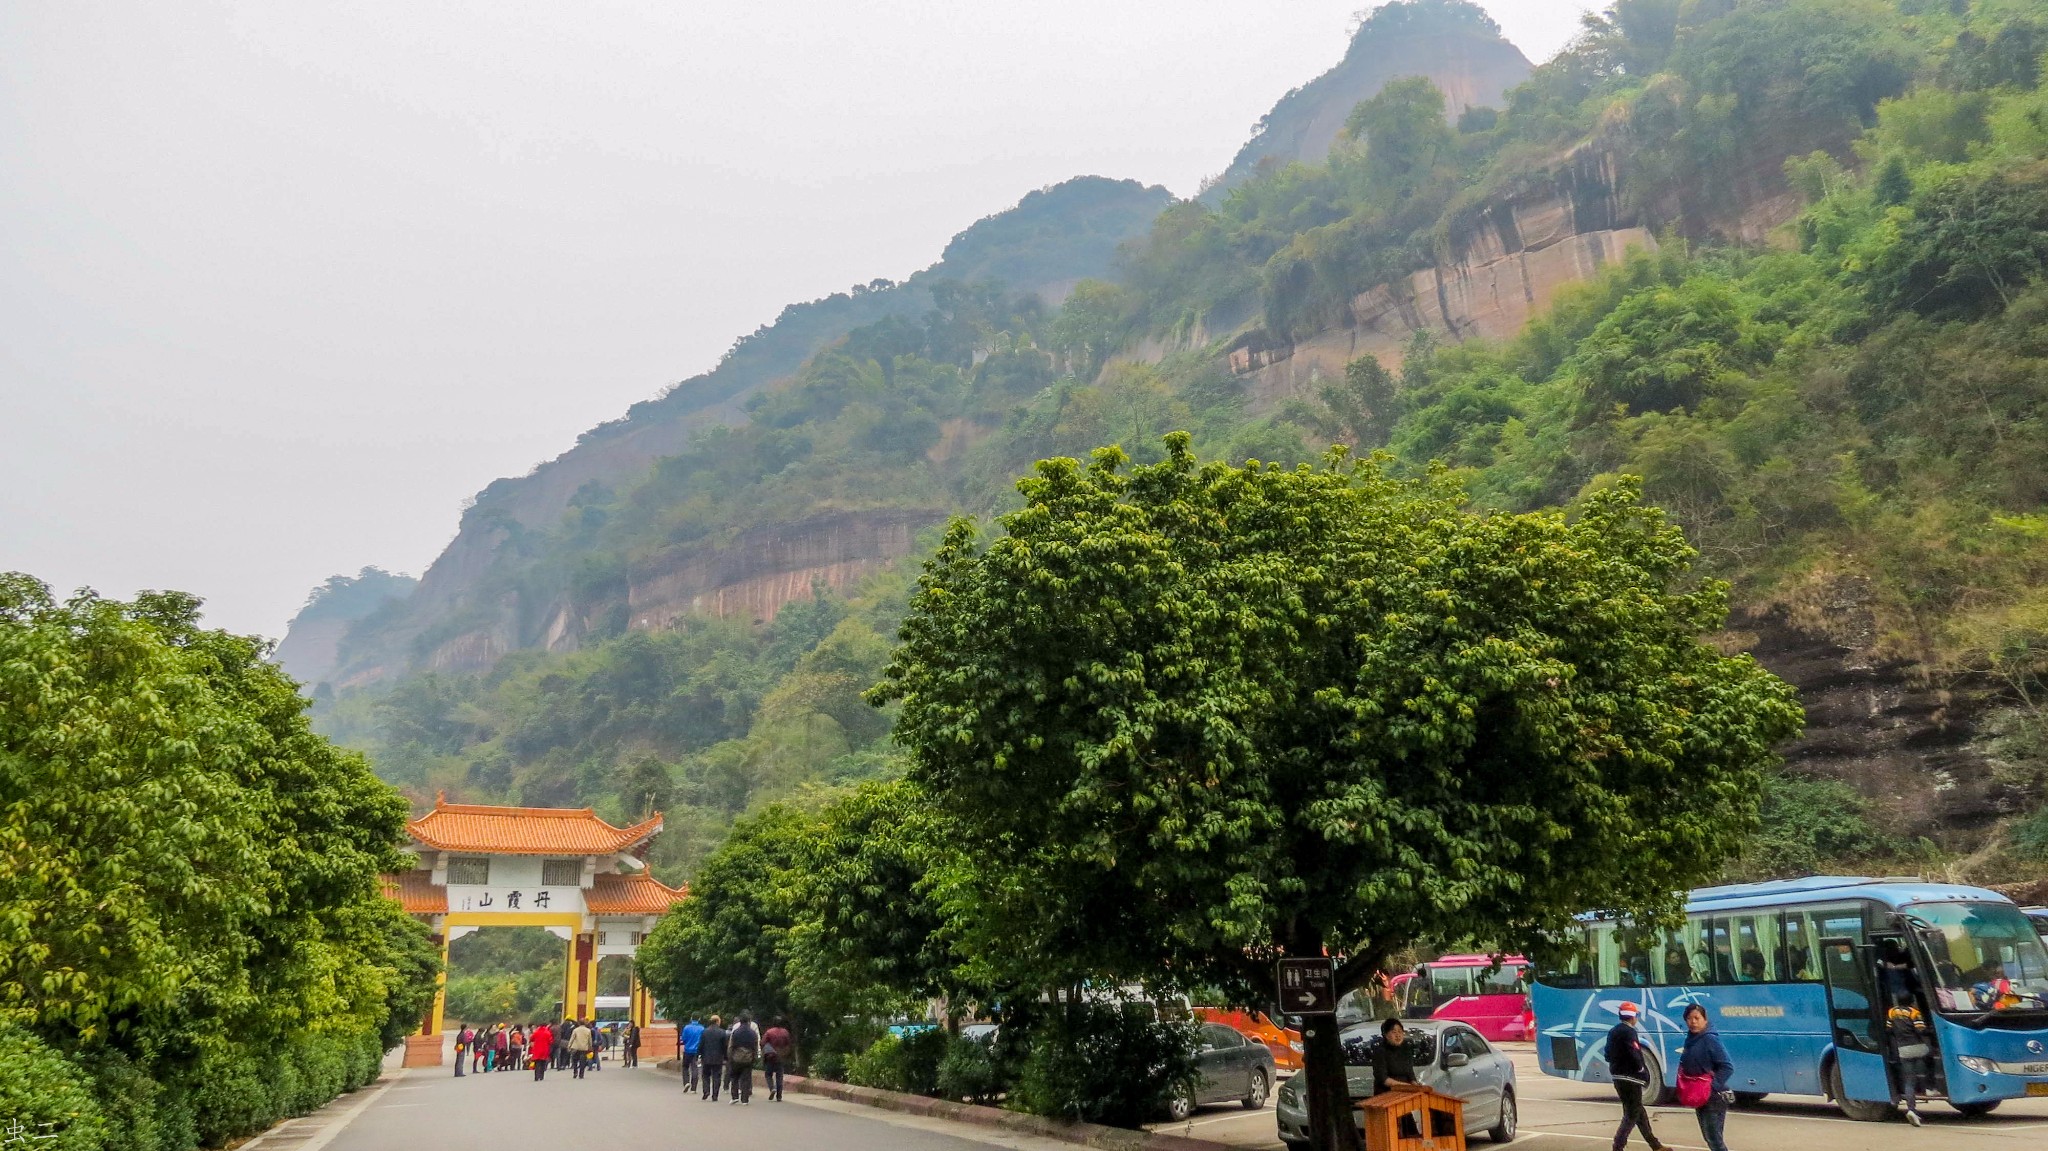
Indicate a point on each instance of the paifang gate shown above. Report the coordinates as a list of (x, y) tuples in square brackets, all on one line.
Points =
[(563, 869)]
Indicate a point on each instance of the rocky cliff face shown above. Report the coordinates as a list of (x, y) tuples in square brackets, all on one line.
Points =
[(1503, 265), (1908, 742)]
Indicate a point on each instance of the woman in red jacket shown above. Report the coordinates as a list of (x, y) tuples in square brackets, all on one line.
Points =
[(540, 1045)]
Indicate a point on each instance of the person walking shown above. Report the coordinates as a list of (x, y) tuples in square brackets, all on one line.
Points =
[(600, 1039), (540, 1048), (501, 1042), (1704, 1070), (463, 1038), (692, 1032), (480, 1040), (711, 1050), (1631, 1075), (776, 1046), (742, 1051), (515, 1054), (1909, 1042), (629, 1045), (579, 1049), (562, 1034)]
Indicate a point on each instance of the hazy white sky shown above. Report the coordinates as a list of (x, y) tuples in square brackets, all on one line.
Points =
[(282, 284)]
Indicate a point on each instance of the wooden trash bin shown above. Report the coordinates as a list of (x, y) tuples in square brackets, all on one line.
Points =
[(1434, 1121)]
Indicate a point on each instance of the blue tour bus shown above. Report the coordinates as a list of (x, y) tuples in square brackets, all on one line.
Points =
[(1794, 975)]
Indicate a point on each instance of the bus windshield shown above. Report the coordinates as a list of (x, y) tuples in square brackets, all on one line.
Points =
[(1986, 956)]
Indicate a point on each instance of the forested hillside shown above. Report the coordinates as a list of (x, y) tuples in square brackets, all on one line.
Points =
[(1780, 258)]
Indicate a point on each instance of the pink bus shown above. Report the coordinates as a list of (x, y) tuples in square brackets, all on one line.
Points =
[(1465, 988)]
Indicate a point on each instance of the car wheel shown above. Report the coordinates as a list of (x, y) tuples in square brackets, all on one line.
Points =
[(1255, 1097), (1181, 1105), (1504, 1131), (1974, 1110), (1861, 1110)]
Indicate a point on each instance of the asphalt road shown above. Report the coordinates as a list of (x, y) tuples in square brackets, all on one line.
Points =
[(431, 1110), (1560, 1115)]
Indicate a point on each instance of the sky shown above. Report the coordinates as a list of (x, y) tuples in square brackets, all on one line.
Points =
[(283, 285)]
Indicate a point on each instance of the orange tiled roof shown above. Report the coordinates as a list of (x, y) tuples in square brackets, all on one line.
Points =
[(636, 894), (526, 830), (415, 891)]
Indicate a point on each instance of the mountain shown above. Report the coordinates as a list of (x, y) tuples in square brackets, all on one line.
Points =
[(1051, 239), (1782, 260), (1456, 46)]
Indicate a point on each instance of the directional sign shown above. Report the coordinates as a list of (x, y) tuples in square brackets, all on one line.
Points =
[(1307, 987)]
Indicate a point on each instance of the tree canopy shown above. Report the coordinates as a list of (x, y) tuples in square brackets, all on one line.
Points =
[(1195, 716)]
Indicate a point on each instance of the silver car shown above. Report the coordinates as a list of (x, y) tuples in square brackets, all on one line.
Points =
[(1231, 1069), (1450, 1057)]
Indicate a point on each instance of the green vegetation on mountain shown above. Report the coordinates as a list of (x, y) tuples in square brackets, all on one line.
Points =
[(1857, 404), (191, 921)]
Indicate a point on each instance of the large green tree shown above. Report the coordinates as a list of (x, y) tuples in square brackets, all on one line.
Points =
[(1194, 717), (188, 875)]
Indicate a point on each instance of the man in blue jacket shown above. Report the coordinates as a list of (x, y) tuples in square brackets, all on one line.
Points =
[(1704, 1055), (1631, 1075), (693, 1032)]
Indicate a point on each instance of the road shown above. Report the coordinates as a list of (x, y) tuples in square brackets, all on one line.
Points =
[(431, 1110), (1560, 1115)]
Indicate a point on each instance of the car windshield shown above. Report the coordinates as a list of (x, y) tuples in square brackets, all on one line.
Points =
[(1986, 956), (1362, 1042)]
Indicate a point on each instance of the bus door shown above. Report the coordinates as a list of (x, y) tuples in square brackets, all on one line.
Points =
[(1856, 1019)]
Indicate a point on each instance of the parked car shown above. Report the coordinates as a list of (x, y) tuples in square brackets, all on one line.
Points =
[(1449, 1056), (1232, 1069), (1284, 1043), (2040, 917)]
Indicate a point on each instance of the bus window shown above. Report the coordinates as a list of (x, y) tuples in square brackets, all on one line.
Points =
[(1755, 940), (1797, 957), (1674, 961)]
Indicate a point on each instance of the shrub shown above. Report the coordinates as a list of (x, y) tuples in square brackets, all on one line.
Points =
[(38, 1086), (920, 1053), (141, 1114), (880, 1066), (2030, 836), (841, 1044), (1106, 1063), (969, 1071)]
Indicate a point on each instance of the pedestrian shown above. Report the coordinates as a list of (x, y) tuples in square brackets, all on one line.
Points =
[(501, 1042), (1704, 1070), (579, 1048), (776, 1046), (711, 1049), (516, 1049), (477, 1044), (562, 1033), (742, 1051), (1909, 1042), (540, 1048), (1631, 1075), (599, 1038), (630, 1045), (692, 1031), (1393, 1065), (463, 1038)]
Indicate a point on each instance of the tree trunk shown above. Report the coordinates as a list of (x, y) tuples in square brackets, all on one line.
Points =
[(1331, 1126)]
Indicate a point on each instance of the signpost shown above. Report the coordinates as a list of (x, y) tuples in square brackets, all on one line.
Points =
[(1308, 987)]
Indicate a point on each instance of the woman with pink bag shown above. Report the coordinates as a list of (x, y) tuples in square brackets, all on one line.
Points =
[(1703, 1073)]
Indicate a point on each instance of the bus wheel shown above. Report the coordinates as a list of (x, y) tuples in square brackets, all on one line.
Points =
[(1750, 1098), (1973, 1110), (1662, 1094), (1861, 1110)]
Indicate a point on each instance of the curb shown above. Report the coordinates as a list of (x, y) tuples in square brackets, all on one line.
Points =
[(1085, 1134)]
